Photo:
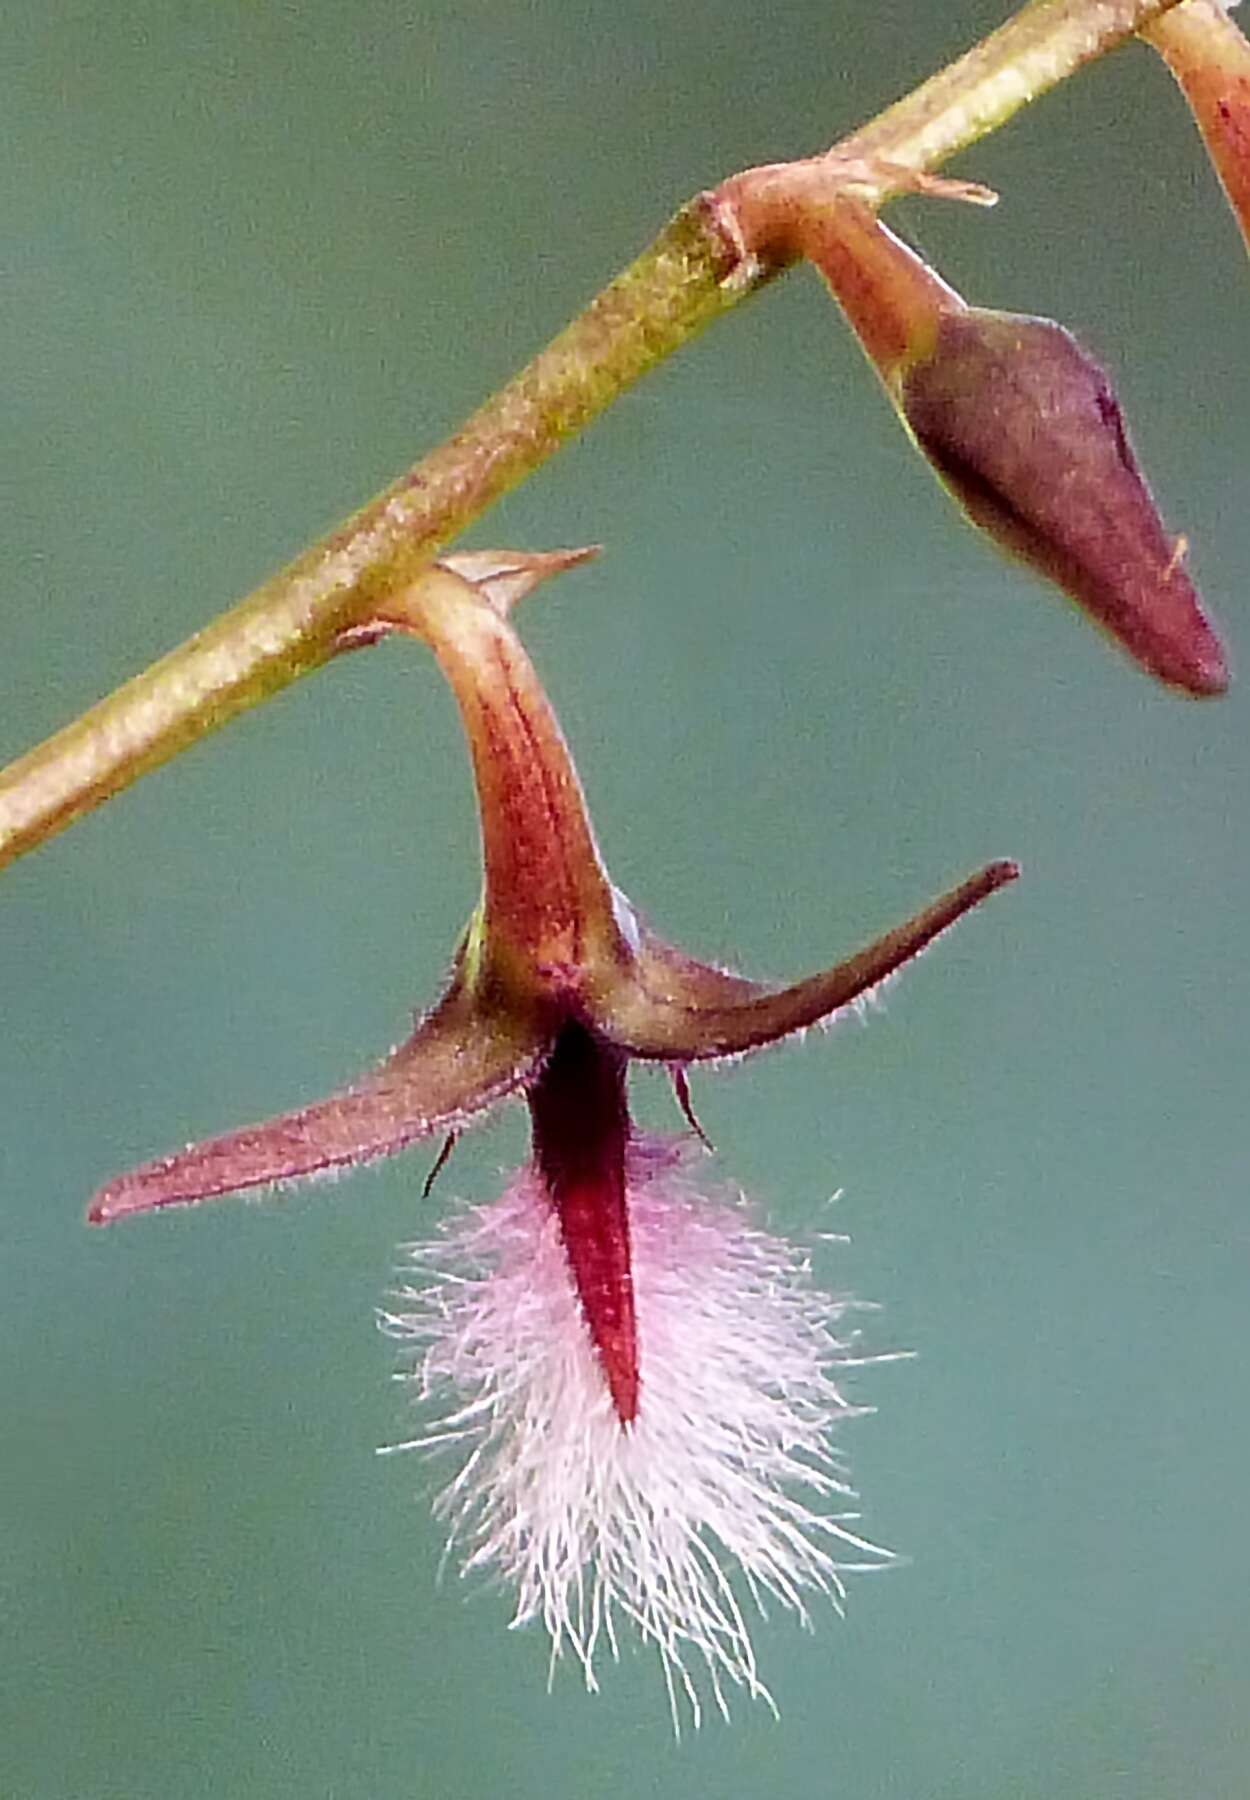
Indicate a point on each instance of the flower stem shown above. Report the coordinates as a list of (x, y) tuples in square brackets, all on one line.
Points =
[(1044, 43), (694, 271)]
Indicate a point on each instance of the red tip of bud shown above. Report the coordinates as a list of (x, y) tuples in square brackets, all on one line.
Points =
[(1000, 873), (1023, 427)]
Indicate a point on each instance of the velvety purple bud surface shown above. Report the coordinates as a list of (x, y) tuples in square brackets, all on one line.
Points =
[(1024, 428)]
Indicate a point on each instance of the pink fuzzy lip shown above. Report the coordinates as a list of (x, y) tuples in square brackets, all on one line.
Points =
[(728, 1492)]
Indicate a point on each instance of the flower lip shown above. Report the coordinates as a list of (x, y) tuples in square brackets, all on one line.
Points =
[(727, 1497)]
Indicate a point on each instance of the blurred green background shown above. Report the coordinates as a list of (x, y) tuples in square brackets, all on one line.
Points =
[(256, 258)]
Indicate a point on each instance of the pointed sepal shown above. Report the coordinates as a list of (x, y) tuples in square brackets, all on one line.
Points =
[(458, 1061), (675, 1009)]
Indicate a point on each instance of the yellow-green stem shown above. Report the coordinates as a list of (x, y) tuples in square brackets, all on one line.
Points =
[(1044, 43), (690, 274)]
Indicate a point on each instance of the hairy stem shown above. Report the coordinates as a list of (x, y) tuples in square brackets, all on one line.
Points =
[(696, 269), (306, 613), (1044, 43)]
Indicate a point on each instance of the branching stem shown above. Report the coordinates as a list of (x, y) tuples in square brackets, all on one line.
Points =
[(702, 264)]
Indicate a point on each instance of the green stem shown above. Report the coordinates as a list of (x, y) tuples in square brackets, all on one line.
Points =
[(307, 612), (1044, 43), (690, 274)]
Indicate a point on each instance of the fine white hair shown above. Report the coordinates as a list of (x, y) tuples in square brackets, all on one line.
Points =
[(724, 1491)]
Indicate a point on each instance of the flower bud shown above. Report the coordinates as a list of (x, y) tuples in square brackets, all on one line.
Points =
[(1023, 428)]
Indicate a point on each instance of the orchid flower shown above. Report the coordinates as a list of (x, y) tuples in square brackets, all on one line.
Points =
[(641, 1379)]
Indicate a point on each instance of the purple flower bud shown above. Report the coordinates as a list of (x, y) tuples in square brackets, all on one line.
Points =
[(1023, 427)]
